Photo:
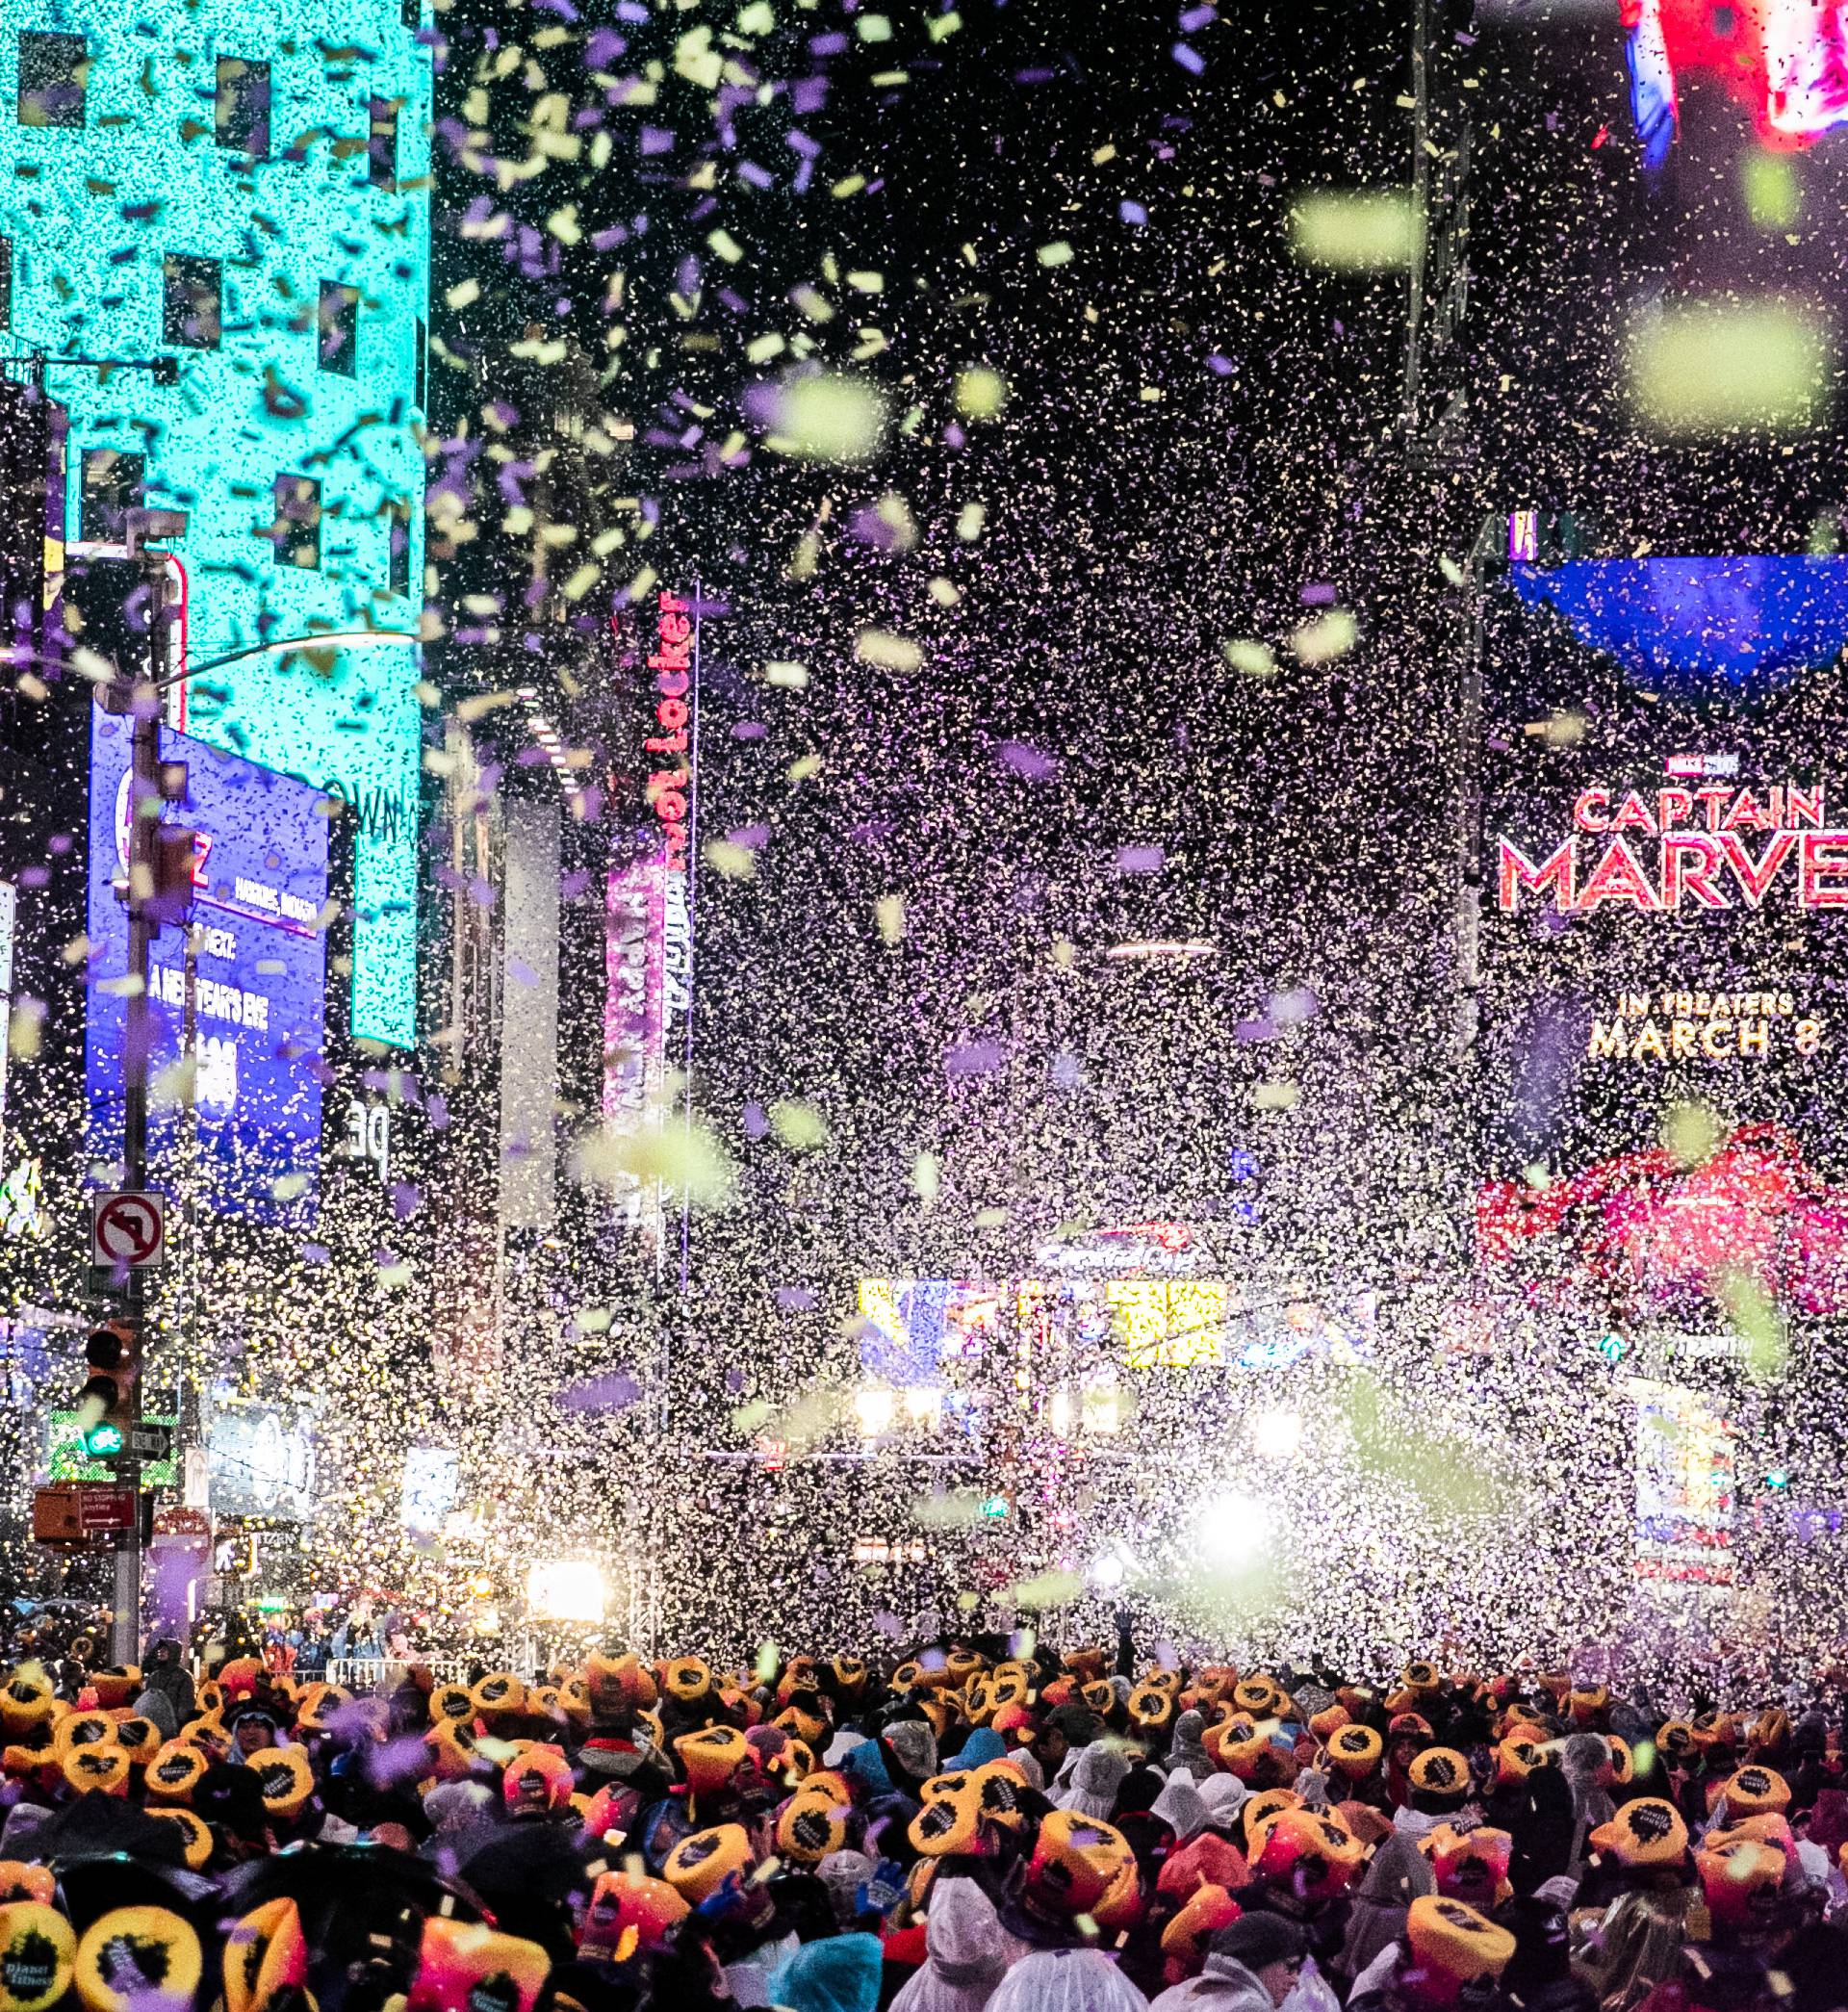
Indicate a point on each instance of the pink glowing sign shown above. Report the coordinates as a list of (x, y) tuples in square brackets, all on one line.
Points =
[(1785, 61)]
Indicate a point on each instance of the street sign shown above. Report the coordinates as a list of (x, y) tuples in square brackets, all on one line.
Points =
[(128, 1229), (80, 1511), (151, 1442)]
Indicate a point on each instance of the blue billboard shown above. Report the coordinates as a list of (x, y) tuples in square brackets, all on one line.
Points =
[(257, 980)]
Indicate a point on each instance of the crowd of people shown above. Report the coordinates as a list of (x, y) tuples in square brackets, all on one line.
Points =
[(988, 1826)]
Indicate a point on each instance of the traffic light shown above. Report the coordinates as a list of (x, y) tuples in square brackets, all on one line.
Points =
[(106, 1404)]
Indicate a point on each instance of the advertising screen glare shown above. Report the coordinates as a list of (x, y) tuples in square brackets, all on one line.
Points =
[(256, 983)]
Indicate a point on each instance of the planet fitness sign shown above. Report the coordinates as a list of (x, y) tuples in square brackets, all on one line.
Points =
[(1660, 850)]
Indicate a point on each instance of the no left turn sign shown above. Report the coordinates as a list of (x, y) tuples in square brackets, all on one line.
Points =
[(128, 1229)]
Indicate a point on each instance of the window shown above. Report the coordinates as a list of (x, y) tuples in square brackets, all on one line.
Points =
[(53, 70), (398, 518), (296, 531), (242, 109), (338, 329), (381, 143), (193, 314), (421, 367), (111, 485), (6, 282)]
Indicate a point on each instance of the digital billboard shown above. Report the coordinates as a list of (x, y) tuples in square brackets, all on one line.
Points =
[(1664, 880), (1686, 1486), (254, 984), (239, 191), (1140, 1323)]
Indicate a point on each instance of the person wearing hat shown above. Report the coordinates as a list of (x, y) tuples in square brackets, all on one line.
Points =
[(1438, 1790), (1641, 1879), (1251, 1966), (1395, 1875), (1449, 1956)]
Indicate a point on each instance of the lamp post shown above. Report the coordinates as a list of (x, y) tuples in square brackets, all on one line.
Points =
[(156, 856)]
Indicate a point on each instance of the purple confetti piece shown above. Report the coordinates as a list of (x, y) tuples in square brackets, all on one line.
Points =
[(1189, 58), (755, 1123), (1028, 762), (796, 1299), (1132, 212), (1318, 593), (748, 730), (1196, 19), (972, 1058), (316, 1254), (1221, 366), (615, 1392), (752, 836), (1140, 858)]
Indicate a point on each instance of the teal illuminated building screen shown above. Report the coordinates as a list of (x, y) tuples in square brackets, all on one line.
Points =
[(243, 187)]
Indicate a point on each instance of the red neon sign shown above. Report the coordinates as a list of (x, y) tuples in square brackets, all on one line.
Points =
[(671, 663)]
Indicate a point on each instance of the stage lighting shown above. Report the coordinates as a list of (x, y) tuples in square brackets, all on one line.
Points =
[(1233, 1526), (873, 1409), (565, 1590), (1276, 1432)]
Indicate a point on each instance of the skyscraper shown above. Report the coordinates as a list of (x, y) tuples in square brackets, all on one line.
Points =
[(232, 200)]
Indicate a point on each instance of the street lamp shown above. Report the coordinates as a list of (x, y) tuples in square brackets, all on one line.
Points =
[(156, 856)]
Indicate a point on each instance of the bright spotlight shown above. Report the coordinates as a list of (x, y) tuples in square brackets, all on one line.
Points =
[(565, 1590), (1233, 1526), (873, 1407), (1277, 1433), (1106, 1572)]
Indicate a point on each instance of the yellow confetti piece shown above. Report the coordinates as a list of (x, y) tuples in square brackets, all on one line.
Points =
[(980, 392), (1275, 1097), (726, 245), (803, 767), (732, 862), (850, 185), (888, 911), (927, 1177), (1359, 231), (891, 653), (874, 28), (1706, 367), (463, 294), (944, 592), (759, 19), (1057, 253), (866, 281), (792, 677), (1324, 640), (830, 416), (943, 26), (1254, 659), (970, 520)]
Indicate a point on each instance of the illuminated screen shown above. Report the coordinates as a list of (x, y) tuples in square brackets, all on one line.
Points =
[(1783, 62), (1686, 1485), (244, 187), (257, 981), (1665, 860), (913, 1327)]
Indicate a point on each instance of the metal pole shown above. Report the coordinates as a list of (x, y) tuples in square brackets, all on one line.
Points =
[(1412, 389), (143, 815), (143, 793)]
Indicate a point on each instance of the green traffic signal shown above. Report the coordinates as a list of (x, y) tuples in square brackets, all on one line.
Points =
[(103, 1439)]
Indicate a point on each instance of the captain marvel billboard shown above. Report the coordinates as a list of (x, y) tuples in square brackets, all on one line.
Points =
[(1664, 1005)]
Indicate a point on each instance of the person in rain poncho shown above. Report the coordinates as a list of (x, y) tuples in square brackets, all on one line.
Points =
[(1098, 1774), (968, 1951), (1251, 1966), (1066, 1980)]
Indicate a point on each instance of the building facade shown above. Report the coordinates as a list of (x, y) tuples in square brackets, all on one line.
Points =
[(232, 202)]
